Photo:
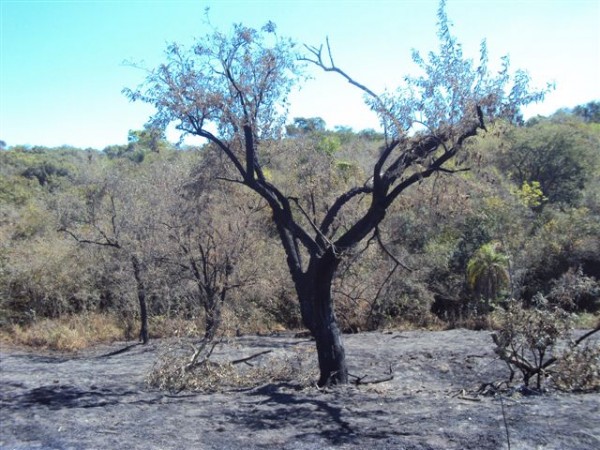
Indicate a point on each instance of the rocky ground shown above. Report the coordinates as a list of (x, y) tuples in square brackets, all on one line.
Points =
[(99, 399)]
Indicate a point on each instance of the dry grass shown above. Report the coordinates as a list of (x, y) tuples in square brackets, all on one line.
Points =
[(164, 327), (586, 321), (491, 321), (247, 319), (67, 334), (77, 332), (431, 324)]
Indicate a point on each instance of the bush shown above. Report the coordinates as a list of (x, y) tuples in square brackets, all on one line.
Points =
[(529, 341), (574, 291), (578, 369)]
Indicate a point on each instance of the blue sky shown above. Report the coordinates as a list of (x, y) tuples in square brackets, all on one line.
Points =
[(62, 71)]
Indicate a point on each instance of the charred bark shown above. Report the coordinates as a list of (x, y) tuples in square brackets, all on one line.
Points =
[(213, 308), (141, 294), (319, 317)]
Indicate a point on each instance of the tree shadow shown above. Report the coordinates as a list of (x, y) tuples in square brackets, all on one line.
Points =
[(40, 359), (55, 397), (62, 358), (117, 352), (309, 416)]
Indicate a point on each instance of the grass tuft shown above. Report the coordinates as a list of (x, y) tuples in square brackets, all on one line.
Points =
[(69, 334)]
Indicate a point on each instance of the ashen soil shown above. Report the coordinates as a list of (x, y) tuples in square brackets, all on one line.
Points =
[(95, 400)]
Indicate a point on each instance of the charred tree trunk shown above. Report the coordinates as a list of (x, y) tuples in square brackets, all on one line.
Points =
[(141, 294), (212, 309), (319, 317)]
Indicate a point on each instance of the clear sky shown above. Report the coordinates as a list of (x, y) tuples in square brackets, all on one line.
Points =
[(62, 71)]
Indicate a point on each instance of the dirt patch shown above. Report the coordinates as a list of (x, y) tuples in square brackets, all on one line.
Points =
[(93, 400)]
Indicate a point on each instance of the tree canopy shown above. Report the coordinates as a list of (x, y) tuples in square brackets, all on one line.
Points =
[(238, 83)]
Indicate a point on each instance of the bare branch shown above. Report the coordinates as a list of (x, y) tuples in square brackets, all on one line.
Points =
[(198, 352), (199, 131), (106, 243), (452, 171), (435, 166), (339, 203), (575, 344), (331, 67), (312, 224), (387, 151), (230, 180), (361, 380), (282, 212), (387, 252)]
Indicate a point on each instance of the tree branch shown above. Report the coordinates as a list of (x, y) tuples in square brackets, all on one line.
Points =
[(200, 131), (230, 180), (387, 252), (282, 212), (436, 165), (575, 344), (377, 170), (339, 203), (106, 243), (331, 67), (250, 154), (312, 224)]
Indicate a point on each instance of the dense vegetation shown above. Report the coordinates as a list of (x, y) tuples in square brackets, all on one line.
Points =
[(146, 230), (86, 233)]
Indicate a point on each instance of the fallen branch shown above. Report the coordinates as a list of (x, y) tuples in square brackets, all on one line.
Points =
[(361, 380), (245, 360), (487, 389), (587, 335)]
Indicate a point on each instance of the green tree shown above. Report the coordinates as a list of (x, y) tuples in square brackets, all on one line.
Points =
[(487, 272), (566, 239), (590, 112), (531, 194), (140, 143), (237, 84), (150, 139), (557, 156), (303, 125)]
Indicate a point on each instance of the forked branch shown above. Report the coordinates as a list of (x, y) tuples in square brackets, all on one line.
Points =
[(329, 66)]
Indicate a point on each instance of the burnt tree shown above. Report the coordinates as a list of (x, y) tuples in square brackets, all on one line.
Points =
[(211, 227), (231, 90)]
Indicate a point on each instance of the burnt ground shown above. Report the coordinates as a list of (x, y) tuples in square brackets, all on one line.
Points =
[(95, 401)]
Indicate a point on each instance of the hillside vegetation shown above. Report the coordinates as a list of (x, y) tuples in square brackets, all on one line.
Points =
[(91, 240)]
